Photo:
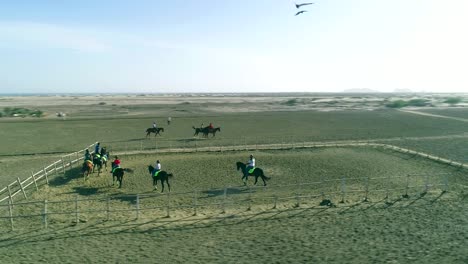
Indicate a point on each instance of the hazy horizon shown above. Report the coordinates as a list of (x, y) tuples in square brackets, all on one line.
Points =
[(229, 46)]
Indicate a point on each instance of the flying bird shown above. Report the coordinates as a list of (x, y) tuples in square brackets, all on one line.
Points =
[(300, 12), (303, 4)]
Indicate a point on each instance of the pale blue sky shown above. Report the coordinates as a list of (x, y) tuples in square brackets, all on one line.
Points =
[(232, 46)]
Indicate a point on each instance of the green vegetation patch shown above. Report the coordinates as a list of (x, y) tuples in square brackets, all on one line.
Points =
[(20, 112)]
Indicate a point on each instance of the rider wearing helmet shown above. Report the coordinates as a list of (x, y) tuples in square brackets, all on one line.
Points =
[(87, 155)]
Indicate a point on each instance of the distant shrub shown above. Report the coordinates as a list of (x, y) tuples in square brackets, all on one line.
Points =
[(397, 104), (418, 102), (291, 102), (23, 112), (453, 100), (403, 103), (102, 103)]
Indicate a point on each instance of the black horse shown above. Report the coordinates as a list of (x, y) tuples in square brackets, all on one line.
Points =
[(119, 173), (198, 130), (207, 130), (97, 162), (163, 176), (256, 173), (154, 130)]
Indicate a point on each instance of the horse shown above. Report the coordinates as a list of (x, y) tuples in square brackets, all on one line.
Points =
[(119, 173), (97, 162), (154, 130), (208, 130), (163, 176), (198, 130), (256, 173), (87, 168)]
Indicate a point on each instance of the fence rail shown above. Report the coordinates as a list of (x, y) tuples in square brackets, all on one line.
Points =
[(37, 178), (234, 199)]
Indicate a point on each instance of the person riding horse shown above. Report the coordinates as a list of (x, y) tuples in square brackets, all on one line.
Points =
[(157, 167), (250, 165), (87, 155), (115, 164)]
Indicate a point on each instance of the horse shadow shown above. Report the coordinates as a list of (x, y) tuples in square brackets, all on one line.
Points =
[(131, 199), (86, 191), (68, 176), (230, 191)]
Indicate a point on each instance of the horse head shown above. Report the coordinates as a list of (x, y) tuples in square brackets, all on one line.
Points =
[(218, 129), (161, 129), (240, 165), (150, 169)]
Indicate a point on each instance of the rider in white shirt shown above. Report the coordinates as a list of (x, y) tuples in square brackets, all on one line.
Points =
[(250, 164), (157, 167)]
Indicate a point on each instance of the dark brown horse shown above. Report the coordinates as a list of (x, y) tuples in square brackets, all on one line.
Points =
[(256, 173), (162, 176), (198, 130), (119, 173), (208, 130), (87, 168), (97, 162), (154, 130)]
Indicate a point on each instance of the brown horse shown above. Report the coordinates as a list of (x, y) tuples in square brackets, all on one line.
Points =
[(154, 130), (209, 130), (87, 168)]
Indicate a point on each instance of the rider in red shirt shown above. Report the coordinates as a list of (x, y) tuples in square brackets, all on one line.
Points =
[(210, 126), (115, 163)]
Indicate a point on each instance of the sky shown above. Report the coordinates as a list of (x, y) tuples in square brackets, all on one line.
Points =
[(213, 46)]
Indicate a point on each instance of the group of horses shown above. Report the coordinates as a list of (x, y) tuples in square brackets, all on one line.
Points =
[(205, 131), (163, 176)]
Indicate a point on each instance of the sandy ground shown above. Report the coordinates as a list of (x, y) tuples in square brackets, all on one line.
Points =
[(429, 229)]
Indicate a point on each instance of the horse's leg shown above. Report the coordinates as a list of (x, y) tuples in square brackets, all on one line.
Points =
[(155, 183), (120, 179), (256, 179), (113, 179), (168, 185)]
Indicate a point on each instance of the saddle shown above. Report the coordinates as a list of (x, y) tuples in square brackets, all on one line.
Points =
[(155, 174), (252, 170)]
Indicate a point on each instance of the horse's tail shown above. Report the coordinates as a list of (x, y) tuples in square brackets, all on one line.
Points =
[(170, 175), (264, 176)]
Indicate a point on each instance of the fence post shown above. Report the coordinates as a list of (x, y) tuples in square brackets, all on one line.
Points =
[(426, 183), (77, 215), (55, 169), (34, 179), (407, 187), (343, 189), (10, 210), (275, 199), (366, 199), (46, 178), (63, 166), (108, 208), (224, 201), (22, 189), (298, 200), (45, 214), (194, 202), (445, 183), (137, 206), (250, 200), (9, 194), (168, 204), (71, 164)]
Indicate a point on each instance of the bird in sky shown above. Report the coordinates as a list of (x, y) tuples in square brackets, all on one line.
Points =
[(303, 4), (300, 12)]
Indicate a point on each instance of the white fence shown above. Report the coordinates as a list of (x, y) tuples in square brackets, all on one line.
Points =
[(341, 192), (41, 177)]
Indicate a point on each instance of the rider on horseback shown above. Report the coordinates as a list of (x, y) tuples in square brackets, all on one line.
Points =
[(154, 124), (157, 167), (96, 148), (115, 163), (250, 164), (87, 155)]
